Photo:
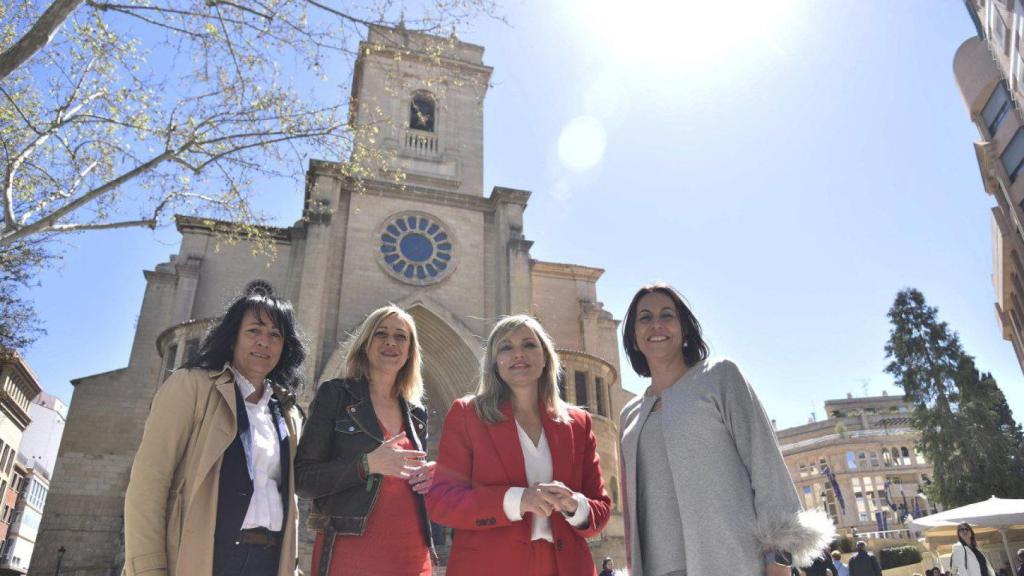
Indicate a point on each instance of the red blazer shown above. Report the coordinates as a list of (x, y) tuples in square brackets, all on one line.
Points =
[(478, 462)]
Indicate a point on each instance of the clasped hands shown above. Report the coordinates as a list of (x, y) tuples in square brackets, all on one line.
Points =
[(389, 460), (544, 498)]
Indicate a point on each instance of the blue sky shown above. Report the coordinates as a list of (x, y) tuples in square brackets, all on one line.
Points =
[(789, 166)]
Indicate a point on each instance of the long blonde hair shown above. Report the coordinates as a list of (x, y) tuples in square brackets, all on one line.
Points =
[(409, 381), (492, 391)]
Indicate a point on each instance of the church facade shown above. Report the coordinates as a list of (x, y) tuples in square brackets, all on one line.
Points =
[(410, 226)]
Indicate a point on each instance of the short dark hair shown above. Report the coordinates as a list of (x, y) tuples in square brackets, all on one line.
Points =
[(694, 347), (604, 563), (218, 346)]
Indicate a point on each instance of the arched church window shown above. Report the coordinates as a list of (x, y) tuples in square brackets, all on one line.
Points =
[(422, 111), (261, 287)]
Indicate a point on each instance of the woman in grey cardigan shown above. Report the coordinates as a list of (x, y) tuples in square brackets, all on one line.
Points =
[(707, 492)]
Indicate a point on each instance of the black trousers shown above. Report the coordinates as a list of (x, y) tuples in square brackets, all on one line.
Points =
[(246, 560)]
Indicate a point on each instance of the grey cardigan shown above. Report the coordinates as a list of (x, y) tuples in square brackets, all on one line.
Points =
[(736, 498)]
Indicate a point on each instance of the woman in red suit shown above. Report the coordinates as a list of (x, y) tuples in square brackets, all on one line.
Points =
[(518, 475)]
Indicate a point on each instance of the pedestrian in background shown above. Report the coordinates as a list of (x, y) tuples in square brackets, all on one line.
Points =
[(864, 563), (967, 559), (838, 567)]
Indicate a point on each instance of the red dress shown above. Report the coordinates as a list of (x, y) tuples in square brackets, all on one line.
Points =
[(393, 543)]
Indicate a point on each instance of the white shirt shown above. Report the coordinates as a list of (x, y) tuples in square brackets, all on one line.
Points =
[(539, 469), (264, 459)]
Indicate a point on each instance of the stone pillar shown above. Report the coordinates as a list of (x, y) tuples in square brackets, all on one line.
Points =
[(511, 252), (187, 271), (310, 303)]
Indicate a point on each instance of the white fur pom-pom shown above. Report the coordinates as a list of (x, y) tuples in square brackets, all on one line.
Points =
[(805, 535)]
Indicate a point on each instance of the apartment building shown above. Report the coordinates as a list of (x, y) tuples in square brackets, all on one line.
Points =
[(860, 465), (989, 70)]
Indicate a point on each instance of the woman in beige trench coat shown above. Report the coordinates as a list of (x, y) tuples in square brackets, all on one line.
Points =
[(212, 488)]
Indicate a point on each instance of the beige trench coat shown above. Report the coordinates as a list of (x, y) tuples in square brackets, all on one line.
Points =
[(170, 508)]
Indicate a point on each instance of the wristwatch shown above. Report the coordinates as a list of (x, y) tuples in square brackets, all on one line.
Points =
[(778, 557)]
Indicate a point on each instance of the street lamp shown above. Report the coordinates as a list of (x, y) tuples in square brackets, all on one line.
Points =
[(60, 559)]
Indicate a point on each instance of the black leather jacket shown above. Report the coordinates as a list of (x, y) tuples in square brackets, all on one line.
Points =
[(341, 427)]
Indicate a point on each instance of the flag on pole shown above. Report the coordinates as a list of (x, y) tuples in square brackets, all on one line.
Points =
[(835, 486), (885, 495)]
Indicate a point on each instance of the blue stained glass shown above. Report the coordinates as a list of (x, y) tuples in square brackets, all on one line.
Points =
[(412, 222), (444, 256), (409, 270), (390, 258), (388, 239), (446, 246), (386, 249), (398, 266), (441, 237), (431, 270), (423, 224), (438, 264), (420, 273), (417, 247), (433, 228), (401, 224), (394, 230)]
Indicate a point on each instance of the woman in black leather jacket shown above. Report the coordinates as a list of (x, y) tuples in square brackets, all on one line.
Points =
[(362, 457)]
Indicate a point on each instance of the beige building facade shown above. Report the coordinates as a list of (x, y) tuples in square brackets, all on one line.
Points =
[(416, 229), (989, 70), (18, 386), (860, 466)]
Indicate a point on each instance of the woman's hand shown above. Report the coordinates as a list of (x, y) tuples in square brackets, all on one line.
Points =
[(391, 461), (567, 502), (776, 569), (423, 478), (542, 499)]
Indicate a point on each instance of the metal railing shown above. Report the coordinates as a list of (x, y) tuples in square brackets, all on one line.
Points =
[(422, 143)]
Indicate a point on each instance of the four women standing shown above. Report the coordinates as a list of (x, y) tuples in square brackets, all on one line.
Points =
[(519, 476)]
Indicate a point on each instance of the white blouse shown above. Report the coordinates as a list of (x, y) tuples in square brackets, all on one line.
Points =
[(263, 455), (539, 469)]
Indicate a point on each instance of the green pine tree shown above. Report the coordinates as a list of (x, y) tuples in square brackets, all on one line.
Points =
[(967, 430)]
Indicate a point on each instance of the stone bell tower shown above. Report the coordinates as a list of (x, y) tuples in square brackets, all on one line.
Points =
[(417, 100)]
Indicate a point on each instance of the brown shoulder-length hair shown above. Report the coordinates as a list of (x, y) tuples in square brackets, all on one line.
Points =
[(492, 391), (973, 543), (694, 347), (408, 382)]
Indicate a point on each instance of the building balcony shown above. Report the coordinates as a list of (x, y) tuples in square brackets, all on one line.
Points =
[(12, 565), (976, 73), (421, 143)]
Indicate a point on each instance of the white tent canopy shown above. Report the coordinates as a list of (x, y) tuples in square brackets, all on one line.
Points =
[(998, 514)]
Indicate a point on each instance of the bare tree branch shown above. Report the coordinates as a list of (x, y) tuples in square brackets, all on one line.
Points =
[(13, 234), (58, 194), (65, 228)]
